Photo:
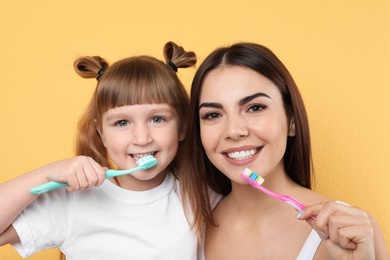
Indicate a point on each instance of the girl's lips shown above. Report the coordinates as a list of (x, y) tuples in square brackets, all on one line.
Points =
[(138, 156)]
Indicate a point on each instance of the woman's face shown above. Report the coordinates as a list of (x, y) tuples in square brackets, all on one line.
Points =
[(242, 122)]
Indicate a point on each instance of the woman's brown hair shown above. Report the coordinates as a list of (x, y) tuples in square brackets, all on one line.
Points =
[(201, 173)]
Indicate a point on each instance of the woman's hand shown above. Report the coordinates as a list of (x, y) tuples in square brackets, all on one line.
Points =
[(347, 232)]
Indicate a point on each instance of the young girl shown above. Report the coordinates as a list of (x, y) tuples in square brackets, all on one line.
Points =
[(139, 108), (246, 111)]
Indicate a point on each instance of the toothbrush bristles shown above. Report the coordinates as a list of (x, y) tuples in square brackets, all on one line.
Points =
[(144, 158), (146, 162), (253, 177)]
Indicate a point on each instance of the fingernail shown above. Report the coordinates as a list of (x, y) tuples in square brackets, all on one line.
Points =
[(343, 203), (299, 214), (323, 234)]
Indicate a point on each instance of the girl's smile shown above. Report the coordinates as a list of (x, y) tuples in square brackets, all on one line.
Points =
[(137, 156), (134, 131)]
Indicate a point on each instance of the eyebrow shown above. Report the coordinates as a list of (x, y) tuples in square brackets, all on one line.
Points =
[(116, 116), (240, 102), (154, 111), (211, 104), (251, 97)]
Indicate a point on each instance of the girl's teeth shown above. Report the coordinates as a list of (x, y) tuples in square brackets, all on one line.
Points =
[(242, 154), (139, 156)]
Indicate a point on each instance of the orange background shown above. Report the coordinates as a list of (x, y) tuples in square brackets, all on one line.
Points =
[(338, 52)]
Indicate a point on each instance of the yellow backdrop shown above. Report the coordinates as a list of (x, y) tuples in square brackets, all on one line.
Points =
[(338, 52)]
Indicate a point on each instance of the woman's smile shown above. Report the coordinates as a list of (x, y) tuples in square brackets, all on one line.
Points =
[(242, 118), (241, 155)]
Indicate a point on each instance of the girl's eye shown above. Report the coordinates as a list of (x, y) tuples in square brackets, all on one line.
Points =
[(256, 108), (122, 123), (211, 116), (157, 119)]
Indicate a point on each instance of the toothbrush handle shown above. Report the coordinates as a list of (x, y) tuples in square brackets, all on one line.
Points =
[(48, 186), (285, 198), (52, 185), (115, 173)]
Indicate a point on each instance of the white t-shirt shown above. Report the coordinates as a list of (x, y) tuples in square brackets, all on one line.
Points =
[(108, 222)]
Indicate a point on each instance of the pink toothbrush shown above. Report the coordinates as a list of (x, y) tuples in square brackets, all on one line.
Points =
[(255, 180)]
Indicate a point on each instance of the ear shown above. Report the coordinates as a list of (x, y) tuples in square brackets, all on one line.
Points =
[(182, 135), (291, 129)]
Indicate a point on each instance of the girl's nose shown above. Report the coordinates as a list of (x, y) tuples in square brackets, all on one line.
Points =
[(141, 135)]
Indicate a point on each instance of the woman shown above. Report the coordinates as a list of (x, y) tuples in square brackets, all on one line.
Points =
[(246, 111)]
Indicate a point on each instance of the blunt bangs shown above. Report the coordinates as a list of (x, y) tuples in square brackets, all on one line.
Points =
[(137, 80)]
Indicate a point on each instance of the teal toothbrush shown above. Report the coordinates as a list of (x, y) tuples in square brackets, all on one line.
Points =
[(143, 163)]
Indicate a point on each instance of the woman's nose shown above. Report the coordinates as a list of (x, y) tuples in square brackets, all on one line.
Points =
[(236, 128)]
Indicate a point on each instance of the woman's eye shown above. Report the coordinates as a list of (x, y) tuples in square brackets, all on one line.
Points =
[(211, 116), (122, 123), (256, 108), (157, 119)]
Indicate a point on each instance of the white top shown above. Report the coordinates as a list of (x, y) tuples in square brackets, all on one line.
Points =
[(310, 247), (108, 222)]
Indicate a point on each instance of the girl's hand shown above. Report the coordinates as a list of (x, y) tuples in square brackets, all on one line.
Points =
[(346, 231), (80, 172)]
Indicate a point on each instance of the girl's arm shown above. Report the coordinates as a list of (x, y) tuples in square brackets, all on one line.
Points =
[(79, 172), (347, 232), (9, 236)]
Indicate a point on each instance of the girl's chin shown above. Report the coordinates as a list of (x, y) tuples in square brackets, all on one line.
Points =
[(144, 176)]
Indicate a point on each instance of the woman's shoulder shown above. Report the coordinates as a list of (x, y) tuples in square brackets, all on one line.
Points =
[(310, 197)]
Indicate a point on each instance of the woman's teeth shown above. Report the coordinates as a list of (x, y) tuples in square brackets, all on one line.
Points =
[(242, 154)]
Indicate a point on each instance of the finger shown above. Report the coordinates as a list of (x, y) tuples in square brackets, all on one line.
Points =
[(341, 227), (331, 208), (353, 236), (322, 213), (309, 215), (80, 180), (99, 171), (339, 222), (310, 211), (350, 230), (343, 203), (91, 174), (322, 233), (73, 184)]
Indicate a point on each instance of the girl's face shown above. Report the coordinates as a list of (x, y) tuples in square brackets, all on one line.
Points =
[(131, 132), (242, 122)]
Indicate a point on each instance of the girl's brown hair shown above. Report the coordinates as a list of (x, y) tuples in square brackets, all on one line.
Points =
[(134, 80)]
